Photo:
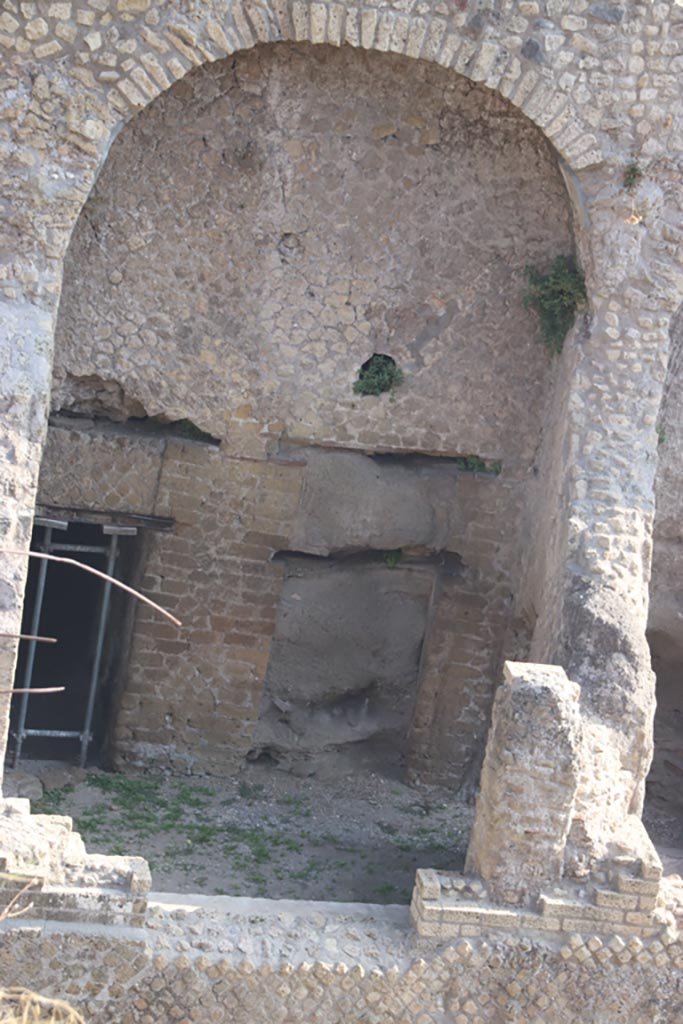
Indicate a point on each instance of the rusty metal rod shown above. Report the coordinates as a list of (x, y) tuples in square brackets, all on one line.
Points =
[(29, 636), (102, 575), (37, 689)]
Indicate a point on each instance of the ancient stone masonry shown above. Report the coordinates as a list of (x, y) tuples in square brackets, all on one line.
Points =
[(600, 84), (239, 960), (232, 516), (528, 783), (379, 191)]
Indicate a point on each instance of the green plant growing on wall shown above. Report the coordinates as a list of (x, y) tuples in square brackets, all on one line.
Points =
[(392, 558), (475, 464), (632, 175), (555, 297), (377, 375)]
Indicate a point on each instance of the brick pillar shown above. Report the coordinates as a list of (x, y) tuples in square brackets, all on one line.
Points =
[(528, 783)]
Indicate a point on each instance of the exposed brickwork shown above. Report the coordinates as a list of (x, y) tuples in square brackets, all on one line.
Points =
[(191, 697)]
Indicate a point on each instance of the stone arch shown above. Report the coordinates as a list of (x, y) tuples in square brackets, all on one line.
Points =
[(98, 70), (173, 38)]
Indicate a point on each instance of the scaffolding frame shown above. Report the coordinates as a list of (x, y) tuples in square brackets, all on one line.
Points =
[(110, 551)]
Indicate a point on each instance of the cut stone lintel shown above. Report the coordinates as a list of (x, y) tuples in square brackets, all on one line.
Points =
[(528, 783)]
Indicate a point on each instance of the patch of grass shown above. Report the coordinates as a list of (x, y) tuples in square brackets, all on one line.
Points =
[(202, 834), (555, 297), (258, 843), (309, 871), (193, 796), (475, 464), (51, 802), (297, 804), (127, 790), (92, 822), (288, 843)]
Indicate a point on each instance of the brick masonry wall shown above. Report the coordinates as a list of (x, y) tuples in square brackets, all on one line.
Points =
[(191, 697)]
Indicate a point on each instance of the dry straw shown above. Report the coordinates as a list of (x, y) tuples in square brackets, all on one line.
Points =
[(19, 1006)]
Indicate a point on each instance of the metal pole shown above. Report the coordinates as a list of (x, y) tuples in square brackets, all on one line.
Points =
[(94, 676), (31, 656)]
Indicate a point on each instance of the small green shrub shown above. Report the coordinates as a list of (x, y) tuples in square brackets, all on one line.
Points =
[(378, 374), (632, 175), (475, 464), (392, 558), (555, 298)]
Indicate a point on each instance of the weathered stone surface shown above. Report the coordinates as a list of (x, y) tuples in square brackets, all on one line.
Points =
[(255, 961), (528, 783), (605, 94), (352, 502)]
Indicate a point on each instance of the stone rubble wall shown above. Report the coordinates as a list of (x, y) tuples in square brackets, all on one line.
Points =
[(271, 221), (602, 80), (261, 961)]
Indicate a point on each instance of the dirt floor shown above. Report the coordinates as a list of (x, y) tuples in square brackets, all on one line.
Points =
[(348, 833), (348, 836)]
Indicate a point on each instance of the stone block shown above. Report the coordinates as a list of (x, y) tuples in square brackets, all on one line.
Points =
[(528, 783)]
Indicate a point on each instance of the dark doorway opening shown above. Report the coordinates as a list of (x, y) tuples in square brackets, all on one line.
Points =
[(70, 611), (663, 813)]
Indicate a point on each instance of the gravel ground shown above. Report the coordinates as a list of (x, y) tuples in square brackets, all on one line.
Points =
[(341, 835), (346, 834)]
